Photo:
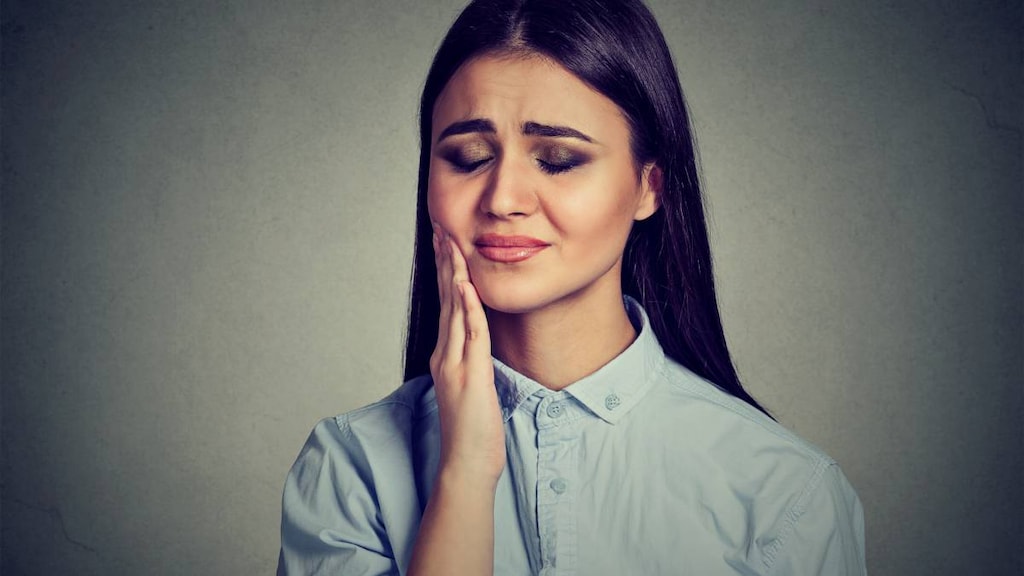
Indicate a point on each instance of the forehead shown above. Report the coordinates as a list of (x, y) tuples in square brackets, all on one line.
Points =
[(511, 90)]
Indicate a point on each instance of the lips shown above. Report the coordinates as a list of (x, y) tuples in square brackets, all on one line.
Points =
[(508, 249)]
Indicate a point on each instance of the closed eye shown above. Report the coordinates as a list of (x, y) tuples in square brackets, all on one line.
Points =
[(467, 159), (462, 166), (553, 168), (557, 159)]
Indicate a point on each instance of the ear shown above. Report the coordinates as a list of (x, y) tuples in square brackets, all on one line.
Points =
[(650, 192)]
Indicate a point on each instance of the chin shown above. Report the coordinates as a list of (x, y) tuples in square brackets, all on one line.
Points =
[(511, 297)]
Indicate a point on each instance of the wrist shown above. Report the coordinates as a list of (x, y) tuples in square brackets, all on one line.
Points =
[(467, 481)]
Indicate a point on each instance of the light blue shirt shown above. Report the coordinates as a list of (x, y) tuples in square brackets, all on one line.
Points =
[(641, 468)]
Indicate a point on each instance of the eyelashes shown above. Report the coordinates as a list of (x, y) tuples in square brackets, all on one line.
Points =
[(557, 159), (466, 165), (467, 158), (552, 160)]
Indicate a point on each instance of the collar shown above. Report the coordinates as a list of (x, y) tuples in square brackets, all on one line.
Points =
[(610, 392)]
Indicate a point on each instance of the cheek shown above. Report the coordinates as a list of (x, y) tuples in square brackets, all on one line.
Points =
[(435, 198), (594, 220), (452, 207), (440, 198)]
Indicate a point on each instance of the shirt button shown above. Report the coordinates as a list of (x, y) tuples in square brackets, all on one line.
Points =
[(554, 410), (611, 401), (558, 485)]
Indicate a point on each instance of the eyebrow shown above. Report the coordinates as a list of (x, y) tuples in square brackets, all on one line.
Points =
[(529, 129), (467, 127), (535, 129)]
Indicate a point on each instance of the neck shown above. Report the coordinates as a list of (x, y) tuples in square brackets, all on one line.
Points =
[(565, 341)]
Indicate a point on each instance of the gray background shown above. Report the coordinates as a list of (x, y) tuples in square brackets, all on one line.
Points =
[(207, 222)]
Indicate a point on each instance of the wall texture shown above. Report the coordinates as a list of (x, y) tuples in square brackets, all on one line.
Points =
[(206, 221)]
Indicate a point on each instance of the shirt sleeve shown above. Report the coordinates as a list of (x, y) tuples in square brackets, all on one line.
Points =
[(825, 536), (330, 522)]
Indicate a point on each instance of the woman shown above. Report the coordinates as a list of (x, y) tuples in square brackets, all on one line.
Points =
[(570, 404)]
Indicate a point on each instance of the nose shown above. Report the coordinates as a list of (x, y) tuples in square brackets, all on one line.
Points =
[(510, 191)]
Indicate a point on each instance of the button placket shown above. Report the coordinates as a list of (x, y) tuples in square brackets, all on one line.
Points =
[(557, 436)]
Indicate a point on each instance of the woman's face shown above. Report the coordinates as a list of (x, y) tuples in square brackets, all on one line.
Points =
[(532, 175)]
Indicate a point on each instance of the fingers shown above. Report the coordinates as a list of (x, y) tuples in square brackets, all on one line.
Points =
[(463, 335), (478, 337), (471, 319), (457, 320), (442, 264), (462, 330), (451, 270)]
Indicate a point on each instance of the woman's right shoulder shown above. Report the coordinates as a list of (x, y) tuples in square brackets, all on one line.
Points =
[(414, 397), (390, 417), (372, 441), (354, 470)]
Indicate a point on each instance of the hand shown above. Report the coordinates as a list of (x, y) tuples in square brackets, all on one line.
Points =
[(472, 429)]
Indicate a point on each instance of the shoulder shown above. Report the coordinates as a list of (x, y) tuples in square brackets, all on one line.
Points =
[(375, 426), (728, 423), (393, 413), (799, 504), (350, 500)]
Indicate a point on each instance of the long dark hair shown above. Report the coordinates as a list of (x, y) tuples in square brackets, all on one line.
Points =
[(616, 47)]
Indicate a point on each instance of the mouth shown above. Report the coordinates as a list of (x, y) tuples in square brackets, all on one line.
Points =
[(508, 249)]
